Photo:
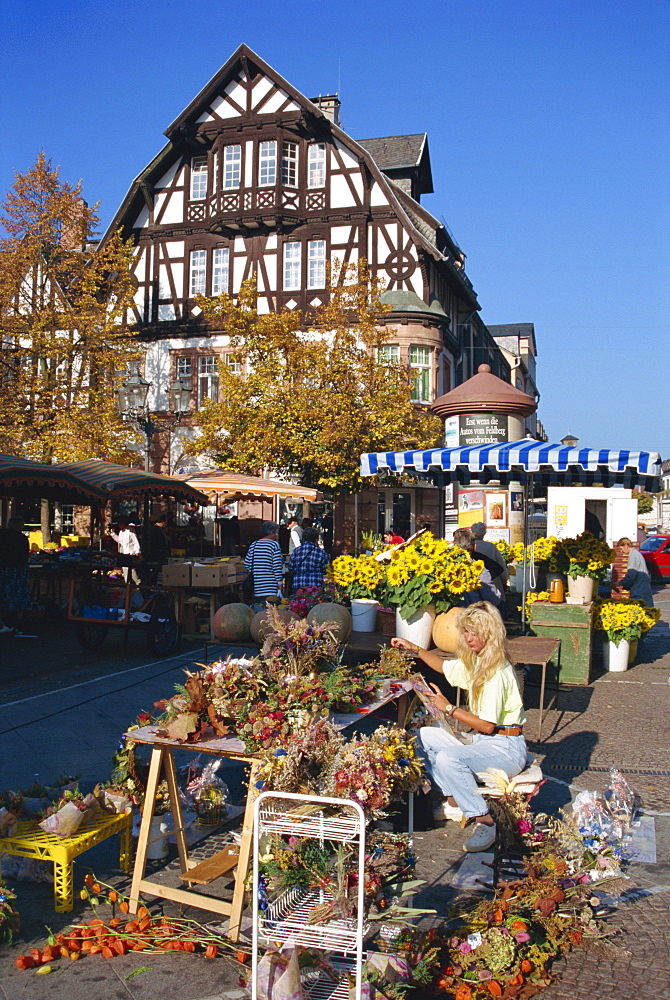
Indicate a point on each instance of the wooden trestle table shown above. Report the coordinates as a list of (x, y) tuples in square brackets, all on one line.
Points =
[(230, 748)]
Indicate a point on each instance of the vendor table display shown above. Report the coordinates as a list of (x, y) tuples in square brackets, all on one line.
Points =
[(29, 841)]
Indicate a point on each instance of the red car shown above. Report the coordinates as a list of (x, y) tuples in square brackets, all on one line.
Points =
[(656, 552)]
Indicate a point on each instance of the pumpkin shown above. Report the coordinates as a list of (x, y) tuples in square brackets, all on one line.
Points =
[(261, 623), (231, 623), (445, 632), (337, 613)]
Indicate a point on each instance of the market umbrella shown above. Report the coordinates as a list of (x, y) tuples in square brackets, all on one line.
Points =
[(20, 477), (115, 481), (523, 460), (528, 462), (229, 486)]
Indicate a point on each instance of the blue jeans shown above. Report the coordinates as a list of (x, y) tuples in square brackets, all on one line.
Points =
[(452, 765)]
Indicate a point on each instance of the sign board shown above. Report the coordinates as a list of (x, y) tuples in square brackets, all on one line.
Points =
[(482, 428)]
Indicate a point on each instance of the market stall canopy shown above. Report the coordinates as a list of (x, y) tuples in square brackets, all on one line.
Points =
[(230, 486), (547, 463), (20, 477), (116, 481)]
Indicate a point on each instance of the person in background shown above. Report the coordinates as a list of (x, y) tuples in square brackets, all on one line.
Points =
[(128, 549), (229, 534), (327, 532), (391, 538), (637, 580), (158, 547), (14, 580), (265, 562), (492, 552), (489, 589), (495, 713), (307, 564), (294, 535), (641, 534)]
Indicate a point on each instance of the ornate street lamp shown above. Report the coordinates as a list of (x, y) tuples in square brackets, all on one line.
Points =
[(132, 395)]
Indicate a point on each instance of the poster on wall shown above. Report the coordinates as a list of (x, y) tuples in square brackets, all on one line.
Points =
[(470, 507), (516, 513), (496, 510)]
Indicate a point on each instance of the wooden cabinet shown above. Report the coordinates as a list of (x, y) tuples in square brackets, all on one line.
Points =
[(572, 624)]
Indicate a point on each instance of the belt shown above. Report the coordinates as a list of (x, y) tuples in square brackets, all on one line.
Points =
[(509, 731)]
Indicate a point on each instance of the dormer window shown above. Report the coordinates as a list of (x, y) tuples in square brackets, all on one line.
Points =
[(232, 166), (198, 178), (316, 165), (267, 164)]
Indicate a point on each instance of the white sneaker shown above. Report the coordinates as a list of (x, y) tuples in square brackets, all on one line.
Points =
[(483, 838), (443, 811)]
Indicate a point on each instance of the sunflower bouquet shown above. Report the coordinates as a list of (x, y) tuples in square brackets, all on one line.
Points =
[(358, 576), (582, 556), (624, 619), (429, 571)]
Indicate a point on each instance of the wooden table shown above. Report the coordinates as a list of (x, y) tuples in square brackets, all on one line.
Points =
[(529, 650), (533, 651), (231, 748)]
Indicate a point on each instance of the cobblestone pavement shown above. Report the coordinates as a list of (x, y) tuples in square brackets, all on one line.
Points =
[(52, 721)]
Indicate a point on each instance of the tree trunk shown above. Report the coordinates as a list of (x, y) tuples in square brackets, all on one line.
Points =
[(45, 521)]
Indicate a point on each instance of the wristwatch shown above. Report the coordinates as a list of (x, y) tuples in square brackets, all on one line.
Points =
[(450, 710)]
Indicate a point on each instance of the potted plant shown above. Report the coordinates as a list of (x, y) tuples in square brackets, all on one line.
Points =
[(426, 577), (362, 579), (584, 560), (622, 622)]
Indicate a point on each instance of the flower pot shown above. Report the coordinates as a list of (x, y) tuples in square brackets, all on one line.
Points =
[(445, 630), (615, 658), (158, 838), (417, 629), (363, 614), (581, 586)]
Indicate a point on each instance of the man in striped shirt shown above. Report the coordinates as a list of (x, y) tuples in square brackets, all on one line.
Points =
[(265, 562)]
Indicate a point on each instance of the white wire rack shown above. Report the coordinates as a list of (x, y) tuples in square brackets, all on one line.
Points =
[(287, 918)]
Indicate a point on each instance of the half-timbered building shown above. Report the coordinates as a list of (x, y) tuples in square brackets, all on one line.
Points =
[(257, 179)]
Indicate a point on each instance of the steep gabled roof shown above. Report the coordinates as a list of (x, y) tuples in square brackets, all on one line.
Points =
[(188, 119)]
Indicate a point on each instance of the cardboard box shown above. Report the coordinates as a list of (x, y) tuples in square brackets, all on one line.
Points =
[(177, 575), (211, 576)]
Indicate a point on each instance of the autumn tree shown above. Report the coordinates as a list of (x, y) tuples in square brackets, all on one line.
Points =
[(312, 393), (65, 345)]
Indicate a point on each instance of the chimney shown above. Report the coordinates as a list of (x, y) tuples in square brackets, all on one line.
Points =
[(329, 105)]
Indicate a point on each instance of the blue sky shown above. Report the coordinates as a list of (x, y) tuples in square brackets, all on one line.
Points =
[(548, 127)]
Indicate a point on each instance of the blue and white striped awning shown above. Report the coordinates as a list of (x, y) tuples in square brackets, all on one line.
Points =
[(512, 458)]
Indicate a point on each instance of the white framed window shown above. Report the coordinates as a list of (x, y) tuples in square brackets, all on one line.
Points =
[(316, 165), (316, 264), (420, 364), (184, 367), (234, 366), (267, 164), (232, 166), (292, 265), (388, 354), (220, 270), (208, 380), (198, 178), (198, 272), (289, 164)]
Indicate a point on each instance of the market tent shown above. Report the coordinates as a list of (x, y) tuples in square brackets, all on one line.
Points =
[(35, 480), (229, 486), (117, 481), (523, 460)]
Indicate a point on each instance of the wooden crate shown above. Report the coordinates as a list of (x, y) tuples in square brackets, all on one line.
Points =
[(572, 624)]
